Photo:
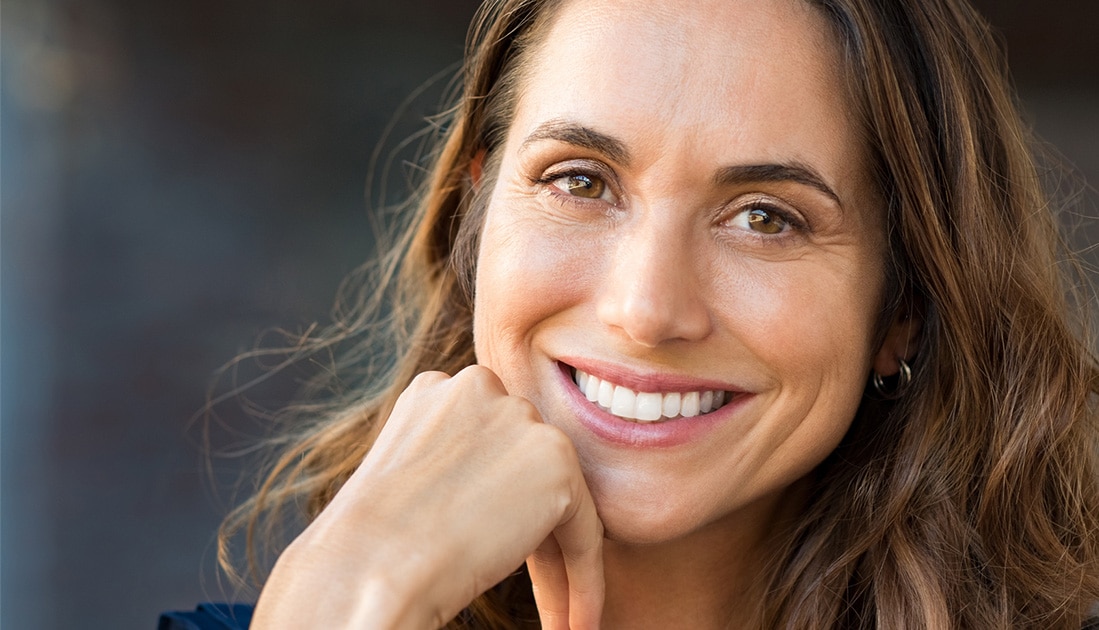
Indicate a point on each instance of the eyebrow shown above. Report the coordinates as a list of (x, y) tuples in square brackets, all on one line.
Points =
[(581, 136), (588, 138), (789, 172)]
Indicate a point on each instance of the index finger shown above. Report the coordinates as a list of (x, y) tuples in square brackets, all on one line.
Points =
[(567, 569)]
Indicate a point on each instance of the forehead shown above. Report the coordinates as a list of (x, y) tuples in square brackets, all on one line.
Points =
[(740, 80)]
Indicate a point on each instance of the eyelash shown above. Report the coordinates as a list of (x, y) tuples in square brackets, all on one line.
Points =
[(553, 176), (792, 220)]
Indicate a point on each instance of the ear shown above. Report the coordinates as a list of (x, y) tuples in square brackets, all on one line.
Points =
[(477, 167), (900, 340)]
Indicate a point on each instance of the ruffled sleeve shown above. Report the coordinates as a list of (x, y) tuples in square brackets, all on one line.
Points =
[(208, 617)]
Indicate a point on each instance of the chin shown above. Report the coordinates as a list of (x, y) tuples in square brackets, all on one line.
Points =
[(634, 528), (641, 516), (643, 511)]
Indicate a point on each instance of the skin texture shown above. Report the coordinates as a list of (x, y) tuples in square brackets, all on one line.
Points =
[(618, 236), (661, 277), (464, 484)]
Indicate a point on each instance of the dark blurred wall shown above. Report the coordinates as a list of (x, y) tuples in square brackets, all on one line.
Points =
[(178, 177)]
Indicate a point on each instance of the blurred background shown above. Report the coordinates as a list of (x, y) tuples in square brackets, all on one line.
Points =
[(179, 177)]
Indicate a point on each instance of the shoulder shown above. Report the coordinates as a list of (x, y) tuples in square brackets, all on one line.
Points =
[(208, 617)]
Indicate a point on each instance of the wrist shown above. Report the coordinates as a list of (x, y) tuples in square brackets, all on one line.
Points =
[(407, 589), (313, 587), (389, 604)]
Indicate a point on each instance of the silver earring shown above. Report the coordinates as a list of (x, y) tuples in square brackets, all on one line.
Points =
[(904, 379)]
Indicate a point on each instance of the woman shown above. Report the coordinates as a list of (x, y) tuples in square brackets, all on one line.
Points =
[(715, 314)]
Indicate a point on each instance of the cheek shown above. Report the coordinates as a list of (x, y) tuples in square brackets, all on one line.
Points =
[(526, 275), (810, 327), (813, 314), (807, 328), (811, 317)]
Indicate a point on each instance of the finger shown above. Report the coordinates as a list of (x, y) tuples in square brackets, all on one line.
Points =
[(580, 539), (550, 581)]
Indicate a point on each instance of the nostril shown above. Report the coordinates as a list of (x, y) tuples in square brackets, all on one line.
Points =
[(650, 292), (650, 322)]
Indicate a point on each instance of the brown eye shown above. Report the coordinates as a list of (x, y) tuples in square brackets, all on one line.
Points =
[(765, 221), (582, 186)]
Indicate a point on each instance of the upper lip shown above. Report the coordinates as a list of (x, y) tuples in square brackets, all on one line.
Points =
[(646, 380)]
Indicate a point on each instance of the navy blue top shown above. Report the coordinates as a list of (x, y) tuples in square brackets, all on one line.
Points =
[(238, 616), (209, 617)]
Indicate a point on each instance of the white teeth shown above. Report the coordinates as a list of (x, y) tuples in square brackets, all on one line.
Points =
[(646, 406), (688, 405), (606, 394), (624, 403), (649, 407), (671, 405), (591, 388)]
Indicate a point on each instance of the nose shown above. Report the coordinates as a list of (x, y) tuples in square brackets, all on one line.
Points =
[(652, 289)]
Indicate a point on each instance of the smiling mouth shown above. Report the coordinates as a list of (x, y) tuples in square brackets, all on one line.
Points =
[(647, 407)]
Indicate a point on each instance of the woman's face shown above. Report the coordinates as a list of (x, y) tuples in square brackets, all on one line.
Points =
[(683, 218)]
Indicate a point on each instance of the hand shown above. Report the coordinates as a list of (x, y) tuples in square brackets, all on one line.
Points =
[(463, 483)]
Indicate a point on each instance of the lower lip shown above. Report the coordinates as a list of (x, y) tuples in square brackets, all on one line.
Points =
[(662, 434)]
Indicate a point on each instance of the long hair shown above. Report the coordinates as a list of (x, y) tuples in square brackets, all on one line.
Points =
[(971, 502)]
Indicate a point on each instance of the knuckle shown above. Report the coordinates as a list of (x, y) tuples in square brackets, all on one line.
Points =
[(476, 372), (521, 408), (553, 617), (582, 550), (558, 444), (558, 460), (427, 379), (545, 562), (480, 378)]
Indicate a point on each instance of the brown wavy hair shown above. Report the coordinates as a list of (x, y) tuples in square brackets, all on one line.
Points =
[(971, 502)]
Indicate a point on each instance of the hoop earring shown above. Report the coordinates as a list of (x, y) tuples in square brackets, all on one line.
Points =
[(904, 379)]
